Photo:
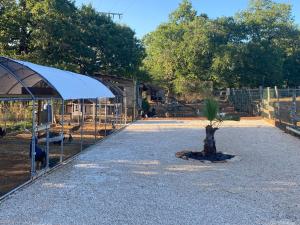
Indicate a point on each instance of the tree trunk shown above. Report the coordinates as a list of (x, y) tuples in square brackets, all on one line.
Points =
[(209, 142)]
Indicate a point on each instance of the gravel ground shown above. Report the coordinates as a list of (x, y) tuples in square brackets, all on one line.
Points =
[(133, 177)]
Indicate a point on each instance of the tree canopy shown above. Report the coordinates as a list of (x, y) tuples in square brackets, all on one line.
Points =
[(57, 33), (258, 46)]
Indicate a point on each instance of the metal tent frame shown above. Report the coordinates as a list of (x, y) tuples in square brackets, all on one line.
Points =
[(25, 81)]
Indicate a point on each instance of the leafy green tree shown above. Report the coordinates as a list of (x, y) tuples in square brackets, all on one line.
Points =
[(180, 52), (57, 33), (269, 30), (258, 46), (184, 14), (161, 60)]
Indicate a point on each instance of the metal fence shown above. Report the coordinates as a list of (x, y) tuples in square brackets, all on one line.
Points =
[(246, 101), (280, 105), (62, 129)]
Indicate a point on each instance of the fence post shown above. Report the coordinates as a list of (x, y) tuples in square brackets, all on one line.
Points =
[(135, 100), (121, 111), (95, 117), (125, 106), (33, 140), (116, 111), (62, 130), (250, 109), (105, 123), (47, 134), (99, 115), (294, 108), (268, 102), (82, 122), (277, 114)]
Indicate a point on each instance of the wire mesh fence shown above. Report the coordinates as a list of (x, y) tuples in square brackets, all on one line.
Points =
[(246, 101), (280, 105), (15, 139), (59, 129)]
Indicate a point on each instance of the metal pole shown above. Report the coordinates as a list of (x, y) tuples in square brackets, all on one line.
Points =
[(33, 141), (116, 112), (82, 122), (261, 96), (268, 102), (277, 114), (62, 130), (134, 99), (105, 116), (95, 116), (99, 107), (47, 134), (125, 106), (294, 108), (121, 111)]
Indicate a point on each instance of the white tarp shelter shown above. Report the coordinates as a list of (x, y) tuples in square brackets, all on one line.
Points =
[(25, 81), (20, 77)]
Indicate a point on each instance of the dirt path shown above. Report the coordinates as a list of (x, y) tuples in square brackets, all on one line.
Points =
[(134, 178)]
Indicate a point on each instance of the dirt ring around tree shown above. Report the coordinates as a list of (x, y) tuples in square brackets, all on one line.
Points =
[(220, 157)]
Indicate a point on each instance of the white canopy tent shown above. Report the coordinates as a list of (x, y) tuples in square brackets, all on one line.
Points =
[(19, 77), (26, 81)]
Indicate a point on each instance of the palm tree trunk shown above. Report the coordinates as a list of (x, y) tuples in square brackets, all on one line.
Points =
[(209, 142)]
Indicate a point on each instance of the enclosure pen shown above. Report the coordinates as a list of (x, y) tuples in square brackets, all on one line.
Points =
[(38, 127), (281, 106)]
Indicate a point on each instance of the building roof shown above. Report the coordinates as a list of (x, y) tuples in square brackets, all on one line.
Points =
[(22, 78), (112, 87), (114, 78)]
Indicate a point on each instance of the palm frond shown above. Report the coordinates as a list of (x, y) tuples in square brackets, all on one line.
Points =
[(211, 109)]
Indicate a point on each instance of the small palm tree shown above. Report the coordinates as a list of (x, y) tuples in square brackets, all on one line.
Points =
[(211, 109)]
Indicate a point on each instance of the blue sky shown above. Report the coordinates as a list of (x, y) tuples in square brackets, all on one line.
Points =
[(144, 16)]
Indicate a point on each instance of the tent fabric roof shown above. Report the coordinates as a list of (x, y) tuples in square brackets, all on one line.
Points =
[(16, 74)]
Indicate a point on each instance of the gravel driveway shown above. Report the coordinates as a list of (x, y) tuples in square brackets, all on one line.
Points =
[(133, 177)]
